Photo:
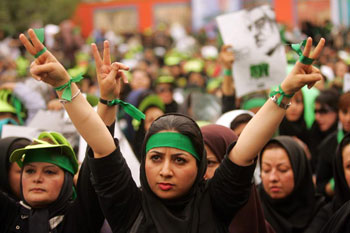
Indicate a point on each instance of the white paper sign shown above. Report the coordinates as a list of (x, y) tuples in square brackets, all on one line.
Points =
[(260, 60), (346, 85)]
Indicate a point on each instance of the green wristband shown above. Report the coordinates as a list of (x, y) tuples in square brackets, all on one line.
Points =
[(227, 72)]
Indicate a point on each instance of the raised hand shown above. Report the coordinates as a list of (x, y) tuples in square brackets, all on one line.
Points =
[(46, 67), (109, 74), (226, 56), (304, 74)]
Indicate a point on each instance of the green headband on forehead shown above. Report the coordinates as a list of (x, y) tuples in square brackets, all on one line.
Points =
[(49, 156), (174, 140)]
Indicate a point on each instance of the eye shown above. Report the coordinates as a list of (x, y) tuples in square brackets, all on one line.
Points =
[(212, 163), (50, 172), (155, 158), (180, 160), (283, 169), (29, 170)]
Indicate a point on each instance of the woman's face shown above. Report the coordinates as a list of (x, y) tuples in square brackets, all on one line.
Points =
[(346, 163), (41, 183), (344, 117), (151, 114), (213, 163), (325, 117), (170, 172), (296, 108), (14, 179), (276, 173)]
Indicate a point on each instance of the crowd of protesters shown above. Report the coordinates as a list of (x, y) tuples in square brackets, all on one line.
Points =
[(174, 77)]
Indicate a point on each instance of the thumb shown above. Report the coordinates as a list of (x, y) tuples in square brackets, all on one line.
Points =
[(310, 78)]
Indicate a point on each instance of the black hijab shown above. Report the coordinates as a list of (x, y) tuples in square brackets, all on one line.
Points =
[(39, 217), (190, 213), (294, 212), (7, 146), (342, 191)]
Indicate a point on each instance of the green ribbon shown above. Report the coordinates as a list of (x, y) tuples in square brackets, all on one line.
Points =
[(67, 93), (302, 58), (340, 135), (282, 95), (128, 108), (40, 33)]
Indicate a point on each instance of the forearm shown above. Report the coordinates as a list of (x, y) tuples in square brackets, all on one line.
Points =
[(256, 134), (227, 86), (89, 124), (107, 113)]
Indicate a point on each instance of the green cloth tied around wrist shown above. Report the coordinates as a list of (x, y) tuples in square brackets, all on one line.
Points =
[(128, 108), (67, 93), (40, 33), (302, 58), (282, 95)]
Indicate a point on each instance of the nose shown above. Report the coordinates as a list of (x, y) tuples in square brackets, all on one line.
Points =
[(166, 170), (38, 178), (273, 176)]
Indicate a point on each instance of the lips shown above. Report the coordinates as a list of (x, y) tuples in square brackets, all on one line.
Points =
[(37, 190), (165, 186), (275, 189)]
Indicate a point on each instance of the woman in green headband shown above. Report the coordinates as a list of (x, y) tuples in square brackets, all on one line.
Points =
[(49, 202), (174, 196)]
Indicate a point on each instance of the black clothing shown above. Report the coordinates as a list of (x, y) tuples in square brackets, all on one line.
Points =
[(339, 222), (81, 215), (172, 107), (316, 137), (297, 128), (208, 207), (326, 154), (228, 103), (293, 213)]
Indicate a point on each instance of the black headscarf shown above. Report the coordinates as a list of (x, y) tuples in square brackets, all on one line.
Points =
[(342, 191), (190, 213), (294, 212), (218, 138), (39, 217), (7, 146)]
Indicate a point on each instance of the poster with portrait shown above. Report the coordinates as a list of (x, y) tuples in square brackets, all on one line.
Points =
[(260, 60)]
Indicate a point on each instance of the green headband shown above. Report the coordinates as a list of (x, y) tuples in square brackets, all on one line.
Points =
[(49, 156), (172, 139)]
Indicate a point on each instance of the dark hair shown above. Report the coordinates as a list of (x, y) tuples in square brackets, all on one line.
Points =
[(329, 98), (180, 123), (344, 143), (241, 119), (344, 102)]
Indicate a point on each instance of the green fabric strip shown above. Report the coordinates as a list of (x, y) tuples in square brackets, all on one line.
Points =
[(302, 58), (40, 52), (340, 135), (282, 95), (128, 108), (174, 140), (40, 33), (49, 156), (67, 93)]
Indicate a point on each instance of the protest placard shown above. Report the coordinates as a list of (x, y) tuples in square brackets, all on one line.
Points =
[(260, 60)]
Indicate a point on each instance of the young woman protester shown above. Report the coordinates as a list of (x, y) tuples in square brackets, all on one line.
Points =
[(217, 140), (174, 196), (49, 202), (287, 191)]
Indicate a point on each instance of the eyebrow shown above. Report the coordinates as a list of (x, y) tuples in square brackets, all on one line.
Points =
[(161, 153), (48, 166)]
